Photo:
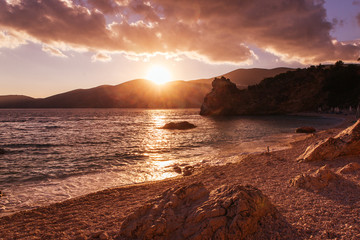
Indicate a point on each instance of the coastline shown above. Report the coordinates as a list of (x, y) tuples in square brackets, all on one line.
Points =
[(306, 214)]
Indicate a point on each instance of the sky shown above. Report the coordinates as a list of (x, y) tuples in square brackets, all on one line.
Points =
[(53, 46)]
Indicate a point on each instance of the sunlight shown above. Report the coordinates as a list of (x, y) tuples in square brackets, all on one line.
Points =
[(158, 74)]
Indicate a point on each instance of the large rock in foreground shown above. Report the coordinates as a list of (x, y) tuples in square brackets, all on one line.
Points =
[(192, 212), (345, 143)]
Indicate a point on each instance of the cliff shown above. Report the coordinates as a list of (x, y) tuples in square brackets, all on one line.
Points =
[(309, 89)]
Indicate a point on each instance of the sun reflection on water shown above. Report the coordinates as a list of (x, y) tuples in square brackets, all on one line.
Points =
[(158, 142)]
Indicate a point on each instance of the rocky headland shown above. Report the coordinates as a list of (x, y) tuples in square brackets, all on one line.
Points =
[(321, 88)]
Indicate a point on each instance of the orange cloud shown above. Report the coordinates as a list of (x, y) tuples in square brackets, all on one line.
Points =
[(53, 51), (210, 30), (101, 57)]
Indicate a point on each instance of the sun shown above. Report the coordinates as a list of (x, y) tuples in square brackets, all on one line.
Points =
[(158, 74)]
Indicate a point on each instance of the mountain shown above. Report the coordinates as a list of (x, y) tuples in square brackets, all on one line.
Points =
[(13, 101), (310, 89), (138, 93), (245, 77)]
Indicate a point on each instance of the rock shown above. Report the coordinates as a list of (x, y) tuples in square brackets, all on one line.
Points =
[(179, 125), (345, 143), (104, 236), (349, 168), (1, 194), (192, 212), (315, 181), (2, 151), (305, 130), (222, 100), (177, 169), (188, 170)]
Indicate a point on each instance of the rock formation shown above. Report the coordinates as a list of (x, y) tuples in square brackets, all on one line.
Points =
[(179, 125), (302, 90), (349, 168), (315, 181), (305, 130), (345, 143), (192, 212), (223, 98)]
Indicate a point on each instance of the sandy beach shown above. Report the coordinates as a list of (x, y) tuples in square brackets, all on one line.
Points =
[(331, 213)]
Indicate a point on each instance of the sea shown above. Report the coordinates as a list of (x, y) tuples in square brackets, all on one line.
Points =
[(53, 155)]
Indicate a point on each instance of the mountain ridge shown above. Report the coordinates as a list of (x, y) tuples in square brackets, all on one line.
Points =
[(139, 93)]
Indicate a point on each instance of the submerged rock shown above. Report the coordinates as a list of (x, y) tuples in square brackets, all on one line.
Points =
[(305, 130), (192, 212), (179, 125), (345, 143), (315, 181)]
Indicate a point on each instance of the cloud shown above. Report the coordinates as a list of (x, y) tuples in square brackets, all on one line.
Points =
[(209, 30), (53, 51), (11, 39), (101, 57)]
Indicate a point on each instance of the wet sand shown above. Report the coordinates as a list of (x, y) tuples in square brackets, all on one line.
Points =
[(333, 213)]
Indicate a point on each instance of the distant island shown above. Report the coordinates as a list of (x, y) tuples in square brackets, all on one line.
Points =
[(140, 93), (317, 88)]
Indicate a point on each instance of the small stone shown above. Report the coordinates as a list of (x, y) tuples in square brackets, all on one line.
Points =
[(188, 170), (104, 236), (177, 169)]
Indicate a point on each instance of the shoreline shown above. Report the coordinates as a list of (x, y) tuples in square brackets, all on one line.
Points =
[(102, 212)]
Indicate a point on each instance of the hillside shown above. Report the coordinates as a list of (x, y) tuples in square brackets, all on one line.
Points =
[(245, 77), (13, 101), (309, 89), (138, 93)]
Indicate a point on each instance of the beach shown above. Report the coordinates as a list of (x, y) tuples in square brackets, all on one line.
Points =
[(331, 213)]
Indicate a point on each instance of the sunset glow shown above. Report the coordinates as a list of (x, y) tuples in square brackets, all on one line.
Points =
[(158, 74)]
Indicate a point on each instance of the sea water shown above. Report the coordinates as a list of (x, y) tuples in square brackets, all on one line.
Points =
[(56, 154)]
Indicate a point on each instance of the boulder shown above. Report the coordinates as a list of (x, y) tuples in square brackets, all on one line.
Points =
[(305, 130), (315, 181), (192, 212), (349, 168), (2, 151), (179, 125), (345, 143)]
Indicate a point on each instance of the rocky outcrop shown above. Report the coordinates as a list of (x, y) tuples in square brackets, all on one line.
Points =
[(222, 100), (315, 181), (345, 143), (305, 130), (179, 125), (302, 90), (192, 212)]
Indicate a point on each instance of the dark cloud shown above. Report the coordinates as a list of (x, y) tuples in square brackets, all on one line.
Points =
[(218, 31)]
